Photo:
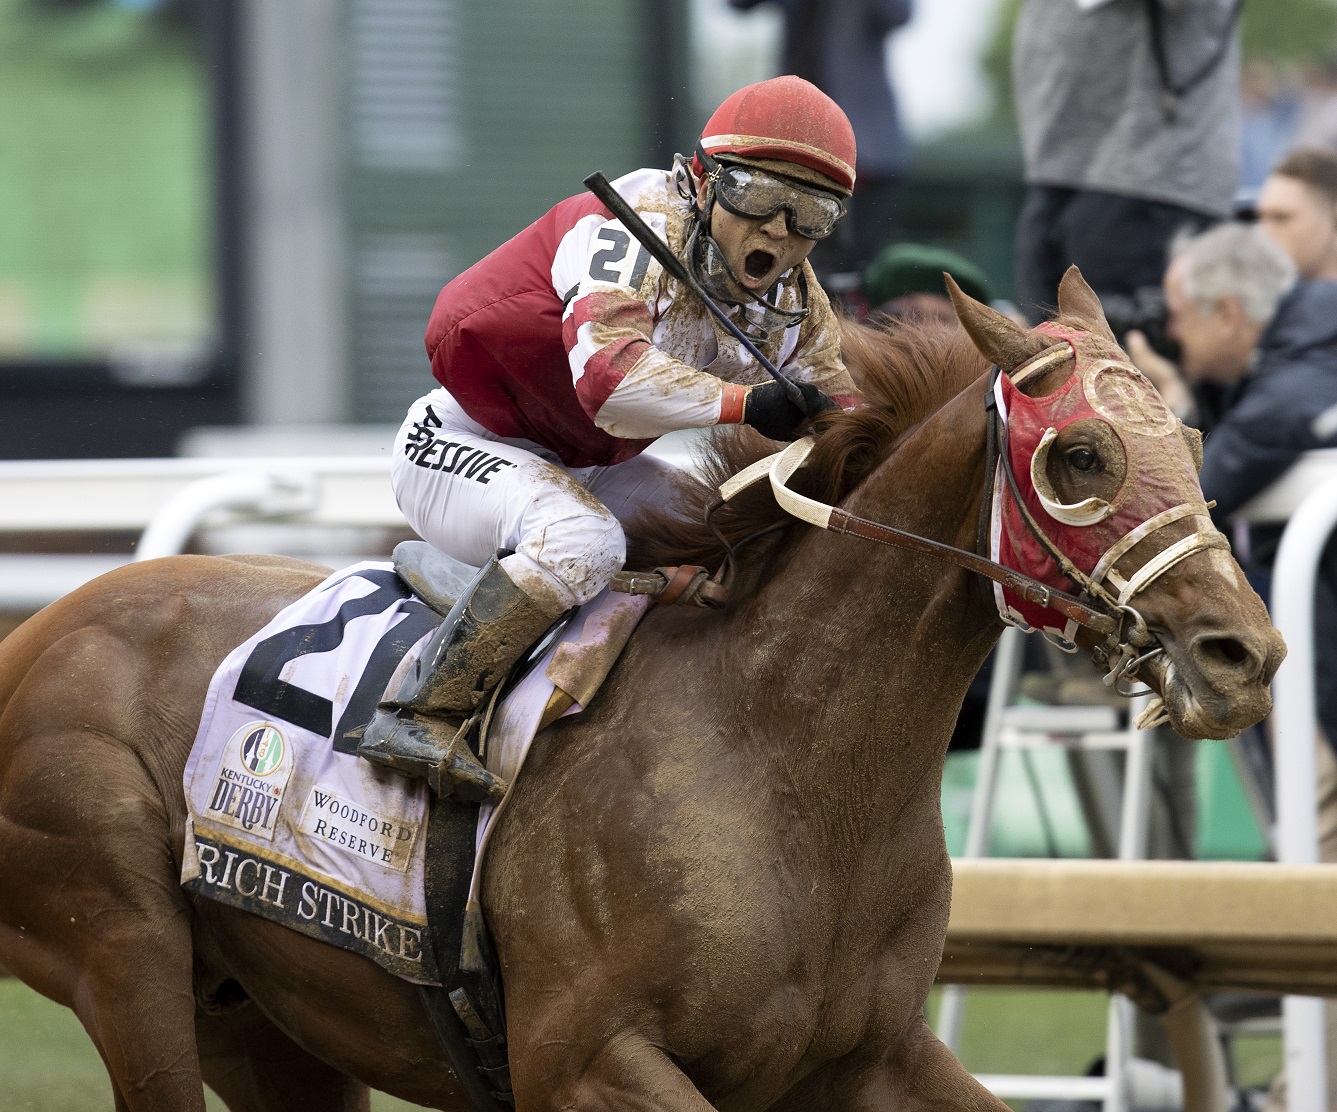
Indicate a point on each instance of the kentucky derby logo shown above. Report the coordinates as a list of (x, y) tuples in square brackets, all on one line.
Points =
[(251, 779), (262, 750)]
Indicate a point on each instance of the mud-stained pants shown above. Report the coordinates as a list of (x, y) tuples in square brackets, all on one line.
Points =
[(469, 492)]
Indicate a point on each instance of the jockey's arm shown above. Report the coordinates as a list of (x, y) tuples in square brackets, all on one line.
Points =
[(628, 386)]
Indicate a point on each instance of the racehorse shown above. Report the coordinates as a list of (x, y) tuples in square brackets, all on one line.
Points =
[(724, 885)]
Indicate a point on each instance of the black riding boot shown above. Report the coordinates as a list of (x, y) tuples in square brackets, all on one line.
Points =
[(418, 732)]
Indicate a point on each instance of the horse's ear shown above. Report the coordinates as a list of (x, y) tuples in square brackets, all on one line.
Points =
[(1077, 299), (999, 339)]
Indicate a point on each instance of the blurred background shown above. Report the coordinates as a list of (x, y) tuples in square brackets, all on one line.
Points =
[(229, 214)]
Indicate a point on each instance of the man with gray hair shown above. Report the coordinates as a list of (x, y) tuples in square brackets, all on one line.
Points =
[(1222, 290), (1258, 355), (1266, 342)]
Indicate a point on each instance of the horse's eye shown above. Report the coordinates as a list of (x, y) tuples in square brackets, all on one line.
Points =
[(1083, 459)]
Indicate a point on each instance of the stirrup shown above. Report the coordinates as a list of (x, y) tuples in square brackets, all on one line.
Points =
[(433, 749)]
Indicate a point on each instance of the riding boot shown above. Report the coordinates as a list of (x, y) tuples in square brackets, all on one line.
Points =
[(423, 729)]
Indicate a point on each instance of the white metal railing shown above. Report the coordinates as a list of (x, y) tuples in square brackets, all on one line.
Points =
[(102, 495), (1295, 722), (1306, 498), (1279, 502), (167, 500)]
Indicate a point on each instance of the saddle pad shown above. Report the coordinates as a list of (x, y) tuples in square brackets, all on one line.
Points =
[(286, 822)]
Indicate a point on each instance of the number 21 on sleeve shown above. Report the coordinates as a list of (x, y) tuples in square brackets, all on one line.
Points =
[(610, 263)]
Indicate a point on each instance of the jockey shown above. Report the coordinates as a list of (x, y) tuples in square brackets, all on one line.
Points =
[(565, 352)]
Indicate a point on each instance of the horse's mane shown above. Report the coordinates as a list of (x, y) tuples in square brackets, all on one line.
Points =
[(904, 372)]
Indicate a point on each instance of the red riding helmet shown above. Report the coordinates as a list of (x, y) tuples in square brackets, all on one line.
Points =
[(785, 119)]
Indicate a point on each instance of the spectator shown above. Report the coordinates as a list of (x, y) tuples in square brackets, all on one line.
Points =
[(1298, 208), (838, 46), (1130, 126), (1245, 324), (906, 281)]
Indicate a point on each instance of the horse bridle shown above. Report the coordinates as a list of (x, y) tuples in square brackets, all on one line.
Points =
[(1127, 644)]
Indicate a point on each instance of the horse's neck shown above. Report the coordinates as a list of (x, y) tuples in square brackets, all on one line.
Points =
[(869, 648)]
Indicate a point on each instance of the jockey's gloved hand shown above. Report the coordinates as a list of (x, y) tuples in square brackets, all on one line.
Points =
[(769, 410)]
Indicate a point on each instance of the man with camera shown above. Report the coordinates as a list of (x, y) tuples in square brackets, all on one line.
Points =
[(1266, 342)]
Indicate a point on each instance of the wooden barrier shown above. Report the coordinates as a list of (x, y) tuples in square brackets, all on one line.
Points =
[(1160, 932), (1108, 924)]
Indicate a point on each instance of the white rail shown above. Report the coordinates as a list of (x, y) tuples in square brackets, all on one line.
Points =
[(102, 495), (1295, 721), (166, 500)]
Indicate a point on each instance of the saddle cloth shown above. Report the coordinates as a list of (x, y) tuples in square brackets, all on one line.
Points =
[(285, 820)]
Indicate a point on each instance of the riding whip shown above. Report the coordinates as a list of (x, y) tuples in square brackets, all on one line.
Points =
[(599, 185)]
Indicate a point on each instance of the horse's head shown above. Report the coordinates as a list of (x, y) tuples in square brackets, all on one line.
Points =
[(1103, 500)]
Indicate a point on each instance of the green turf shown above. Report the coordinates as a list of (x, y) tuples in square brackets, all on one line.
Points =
[(1014, 1031), (48, 1064), (1006, 1031), (1226, 830)]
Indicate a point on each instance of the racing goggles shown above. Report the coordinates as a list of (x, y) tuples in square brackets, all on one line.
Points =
[(757, 194)]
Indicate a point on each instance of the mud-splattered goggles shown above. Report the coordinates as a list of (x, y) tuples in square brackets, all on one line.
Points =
[(756, 194)]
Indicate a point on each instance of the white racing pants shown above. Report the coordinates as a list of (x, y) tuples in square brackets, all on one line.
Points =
[(468, 492)]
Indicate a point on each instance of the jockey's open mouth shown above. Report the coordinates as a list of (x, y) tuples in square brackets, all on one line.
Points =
[(757, 266)]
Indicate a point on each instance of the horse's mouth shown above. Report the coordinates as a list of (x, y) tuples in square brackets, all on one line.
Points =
[(1196, 710)]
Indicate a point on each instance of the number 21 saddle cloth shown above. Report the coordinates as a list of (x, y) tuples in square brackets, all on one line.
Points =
[(285, 821)]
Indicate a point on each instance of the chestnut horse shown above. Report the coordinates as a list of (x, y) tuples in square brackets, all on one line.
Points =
[(722, 886)]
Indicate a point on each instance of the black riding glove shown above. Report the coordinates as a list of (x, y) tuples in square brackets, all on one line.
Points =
[(769, 410)]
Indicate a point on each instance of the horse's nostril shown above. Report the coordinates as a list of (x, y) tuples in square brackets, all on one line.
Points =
[(1226, 652)]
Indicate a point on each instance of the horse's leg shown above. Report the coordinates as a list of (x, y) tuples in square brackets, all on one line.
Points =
[(340, 1006), (919, 1074), (255, 1067), (134, 994), (628, 1073), (93, 916)]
